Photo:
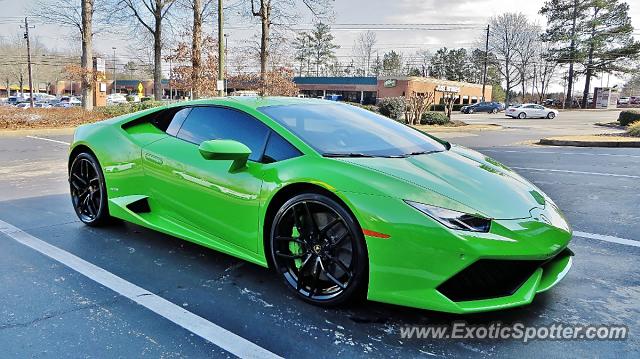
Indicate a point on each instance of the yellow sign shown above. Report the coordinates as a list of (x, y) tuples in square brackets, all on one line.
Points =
[(140, 89)]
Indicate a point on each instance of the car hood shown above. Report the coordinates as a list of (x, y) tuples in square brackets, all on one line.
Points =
[(464, 176)]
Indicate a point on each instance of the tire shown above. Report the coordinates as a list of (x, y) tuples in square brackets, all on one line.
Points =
[(494, 111), (470, 111), (88, 190), (551, 115), (318, 249), (522, 115)]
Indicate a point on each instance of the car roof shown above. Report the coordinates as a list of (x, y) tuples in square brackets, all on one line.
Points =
[(257, 101)]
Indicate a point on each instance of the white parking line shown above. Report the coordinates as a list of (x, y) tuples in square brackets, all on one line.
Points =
[(603, 237), (217, 335), (49, 139), (575, 172), (562, 153)]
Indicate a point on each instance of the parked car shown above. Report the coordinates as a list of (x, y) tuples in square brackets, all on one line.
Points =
[(490, 107), (634, 100), (623, 101), (24, 105), (42, 105), (531, 110), (68, 100)]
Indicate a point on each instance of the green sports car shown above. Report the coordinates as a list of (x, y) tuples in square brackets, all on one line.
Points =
[(343, 203)]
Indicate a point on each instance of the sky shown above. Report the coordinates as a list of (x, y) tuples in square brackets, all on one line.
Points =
[(476, 12)]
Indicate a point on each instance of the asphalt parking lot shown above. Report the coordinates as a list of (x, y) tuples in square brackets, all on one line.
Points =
[(50, 310)]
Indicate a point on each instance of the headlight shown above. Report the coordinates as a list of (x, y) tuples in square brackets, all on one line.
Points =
[(453, 219)]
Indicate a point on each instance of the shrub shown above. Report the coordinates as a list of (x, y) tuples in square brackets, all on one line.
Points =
[(634, 129), (628, 117), (434, 118), (392, 107), (372, 108), (123, 109)]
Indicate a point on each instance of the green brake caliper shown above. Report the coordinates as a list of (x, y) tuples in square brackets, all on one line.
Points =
[(295, 248)]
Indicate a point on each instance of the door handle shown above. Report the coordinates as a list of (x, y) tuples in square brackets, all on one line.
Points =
[(153, 158)]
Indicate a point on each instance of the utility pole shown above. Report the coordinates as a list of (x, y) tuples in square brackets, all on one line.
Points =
[(220, 51), (572, 55), (114, 71), (486, 60), (26, 36)]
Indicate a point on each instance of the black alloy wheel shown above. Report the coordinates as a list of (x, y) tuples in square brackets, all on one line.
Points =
[(318, 248), (88, 191)]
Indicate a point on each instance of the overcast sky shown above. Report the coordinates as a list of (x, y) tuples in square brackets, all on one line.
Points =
[(475, 12)]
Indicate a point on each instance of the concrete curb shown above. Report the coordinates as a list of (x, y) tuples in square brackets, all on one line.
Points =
[(578, 143)]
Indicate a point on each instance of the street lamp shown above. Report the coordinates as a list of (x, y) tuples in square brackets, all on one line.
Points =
[(114, 70)]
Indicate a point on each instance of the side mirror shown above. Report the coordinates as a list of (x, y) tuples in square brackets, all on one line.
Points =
[(226, 150)]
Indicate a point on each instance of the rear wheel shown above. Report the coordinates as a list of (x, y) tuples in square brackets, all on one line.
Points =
[(88, 190), (318, 249), (522, 115)]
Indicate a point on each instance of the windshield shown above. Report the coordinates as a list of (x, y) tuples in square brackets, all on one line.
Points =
[(337, 130)]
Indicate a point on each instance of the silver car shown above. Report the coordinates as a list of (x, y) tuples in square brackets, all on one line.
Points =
[(530, 110)]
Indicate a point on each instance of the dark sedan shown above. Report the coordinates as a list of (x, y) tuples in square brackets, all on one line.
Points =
[(490, 107)]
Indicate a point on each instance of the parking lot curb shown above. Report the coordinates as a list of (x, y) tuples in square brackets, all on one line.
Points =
[(586, 143)]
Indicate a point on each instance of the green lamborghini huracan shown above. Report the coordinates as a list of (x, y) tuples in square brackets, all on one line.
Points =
[(343, 203)]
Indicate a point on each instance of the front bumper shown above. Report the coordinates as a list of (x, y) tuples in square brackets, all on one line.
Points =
[(413, 266)]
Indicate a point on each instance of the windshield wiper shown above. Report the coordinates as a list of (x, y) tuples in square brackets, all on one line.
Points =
[(421, 153), (348, 154)]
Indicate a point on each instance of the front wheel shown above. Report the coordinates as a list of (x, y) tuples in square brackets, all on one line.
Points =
[(318, 249), (88, 190), (551, 115), (494, 111)]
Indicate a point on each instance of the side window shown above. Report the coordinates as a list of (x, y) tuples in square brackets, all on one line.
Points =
[(177, 121), (217, 123), (279, 149)]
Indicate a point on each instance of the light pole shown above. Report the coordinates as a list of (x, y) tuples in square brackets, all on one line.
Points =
[(226, 47), (220, 51), (114, 70)]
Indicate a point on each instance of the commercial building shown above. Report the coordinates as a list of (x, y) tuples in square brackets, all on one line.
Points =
[(367, 90)]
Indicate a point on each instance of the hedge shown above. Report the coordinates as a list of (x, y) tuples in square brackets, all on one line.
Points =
[(123, 109), (434, 118), (628, 117)]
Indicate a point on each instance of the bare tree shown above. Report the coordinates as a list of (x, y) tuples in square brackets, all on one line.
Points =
[(527, 51), (77, 14), (504, 41), (546, 70), (364, 50), (150, 14), (280, 12)]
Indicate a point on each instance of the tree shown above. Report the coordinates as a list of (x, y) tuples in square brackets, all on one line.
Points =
[(182, 74), (596, 34), (322, 45), (526, 52), (563, 18), (609, 41), (78, 14), (392, 64), (364, 50), (504, 41), (632, 87), (196, 47), (303, 51), (150, 15), (283, 13), (545, 71), (417, 105)]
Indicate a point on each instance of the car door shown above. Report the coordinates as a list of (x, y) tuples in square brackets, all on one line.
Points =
[(202, 193)]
